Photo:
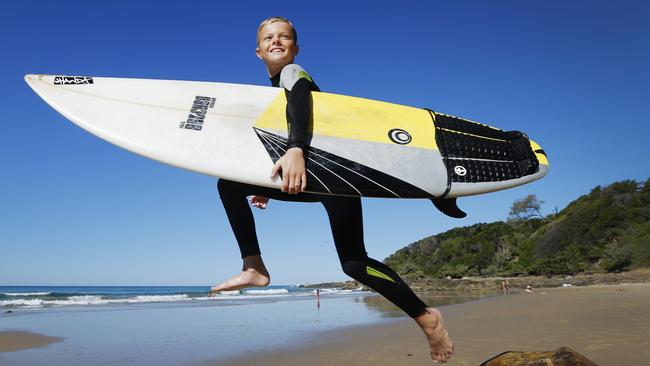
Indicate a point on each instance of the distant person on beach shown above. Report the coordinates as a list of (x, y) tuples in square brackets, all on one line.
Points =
[(505, 286), (277, 47)]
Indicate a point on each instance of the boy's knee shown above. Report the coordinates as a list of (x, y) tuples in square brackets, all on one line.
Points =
[(354, 269)]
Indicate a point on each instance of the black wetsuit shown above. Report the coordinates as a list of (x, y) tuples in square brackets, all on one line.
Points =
[(344, 212)]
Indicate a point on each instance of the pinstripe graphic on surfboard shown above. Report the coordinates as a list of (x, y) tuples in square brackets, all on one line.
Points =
[(335, 172)]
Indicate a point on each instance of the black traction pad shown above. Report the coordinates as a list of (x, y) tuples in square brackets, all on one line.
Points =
[(474, 152)]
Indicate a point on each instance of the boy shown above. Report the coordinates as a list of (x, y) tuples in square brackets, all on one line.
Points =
[(277, 47)]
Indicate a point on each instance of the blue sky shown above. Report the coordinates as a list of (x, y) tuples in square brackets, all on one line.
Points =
[(75, 210)]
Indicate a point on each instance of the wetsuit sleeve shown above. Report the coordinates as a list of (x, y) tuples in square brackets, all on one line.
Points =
[(297, 86)]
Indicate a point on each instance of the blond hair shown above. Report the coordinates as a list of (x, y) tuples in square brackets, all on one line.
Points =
[(275, 20)]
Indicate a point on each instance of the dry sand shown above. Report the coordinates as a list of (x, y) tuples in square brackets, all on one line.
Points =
[(609, 324), (18, 340)]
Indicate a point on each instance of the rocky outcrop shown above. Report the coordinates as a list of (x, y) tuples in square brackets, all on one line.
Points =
[(563, 356)]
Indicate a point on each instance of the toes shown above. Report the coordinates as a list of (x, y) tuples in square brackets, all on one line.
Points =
[(441, 357)]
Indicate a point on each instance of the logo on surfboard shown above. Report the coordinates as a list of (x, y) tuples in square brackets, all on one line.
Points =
[(197, 113), (399, 136), (72, 80)]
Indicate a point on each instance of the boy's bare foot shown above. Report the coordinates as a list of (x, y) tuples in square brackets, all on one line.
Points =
[(246, 278), (433, 327), (253, 274)]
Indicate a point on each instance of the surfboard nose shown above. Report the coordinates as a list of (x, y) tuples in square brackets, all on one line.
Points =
[(32, 79), (29, 78)]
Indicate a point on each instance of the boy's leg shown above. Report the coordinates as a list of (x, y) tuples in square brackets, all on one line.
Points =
[(346, 221), (234, 198)]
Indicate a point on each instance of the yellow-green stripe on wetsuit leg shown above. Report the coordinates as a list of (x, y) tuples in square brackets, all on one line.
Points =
[(347, 228), (385, 281), (373, 272)]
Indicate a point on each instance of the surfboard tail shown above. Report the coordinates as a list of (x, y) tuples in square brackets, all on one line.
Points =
[(480, 158)]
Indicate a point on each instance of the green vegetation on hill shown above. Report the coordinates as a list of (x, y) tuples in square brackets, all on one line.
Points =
[(606, 230)]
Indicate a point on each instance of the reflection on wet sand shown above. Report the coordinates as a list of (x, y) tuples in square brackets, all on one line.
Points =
[(388, 310)]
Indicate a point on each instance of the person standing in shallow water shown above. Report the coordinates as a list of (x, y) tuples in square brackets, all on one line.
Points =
[(277, 47)]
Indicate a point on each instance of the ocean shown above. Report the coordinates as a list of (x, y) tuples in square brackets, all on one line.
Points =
[(44, 297)]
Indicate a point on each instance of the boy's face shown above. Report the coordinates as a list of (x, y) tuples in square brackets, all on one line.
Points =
[(276, 46)]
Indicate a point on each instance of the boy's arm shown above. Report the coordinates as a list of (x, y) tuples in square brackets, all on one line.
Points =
[(297, 85)]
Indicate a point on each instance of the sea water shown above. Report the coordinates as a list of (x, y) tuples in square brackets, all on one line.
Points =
[(39, 297)]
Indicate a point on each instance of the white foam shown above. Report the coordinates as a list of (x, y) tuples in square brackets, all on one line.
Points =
[(27, 293), (244, 297), (33, 303), (93, 300), (267, 292), (340, 291), (335, 291), (158, 298), (329, 290), (229, 293), (77, 300)]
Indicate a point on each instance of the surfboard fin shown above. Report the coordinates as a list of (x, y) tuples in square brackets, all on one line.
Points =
[(448, 207)]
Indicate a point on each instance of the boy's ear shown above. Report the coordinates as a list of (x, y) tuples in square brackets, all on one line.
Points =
[(258, 53)]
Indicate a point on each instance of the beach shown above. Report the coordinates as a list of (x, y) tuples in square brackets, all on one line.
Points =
[(609, 324)]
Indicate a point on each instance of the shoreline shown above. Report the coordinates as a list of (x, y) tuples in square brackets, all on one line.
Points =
[(605, 323)]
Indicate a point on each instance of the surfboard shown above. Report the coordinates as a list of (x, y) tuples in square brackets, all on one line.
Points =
[(357, 147)]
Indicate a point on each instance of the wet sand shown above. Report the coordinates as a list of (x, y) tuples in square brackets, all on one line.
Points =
[(609, 324), (18, 340)]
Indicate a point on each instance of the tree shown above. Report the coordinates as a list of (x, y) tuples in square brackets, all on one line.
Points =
[(526, 208), (616, 257)]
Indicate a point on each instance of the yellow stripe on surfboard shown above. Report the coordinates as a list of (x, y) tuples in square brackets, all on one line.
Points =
[(363, 119), (357, 119)]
